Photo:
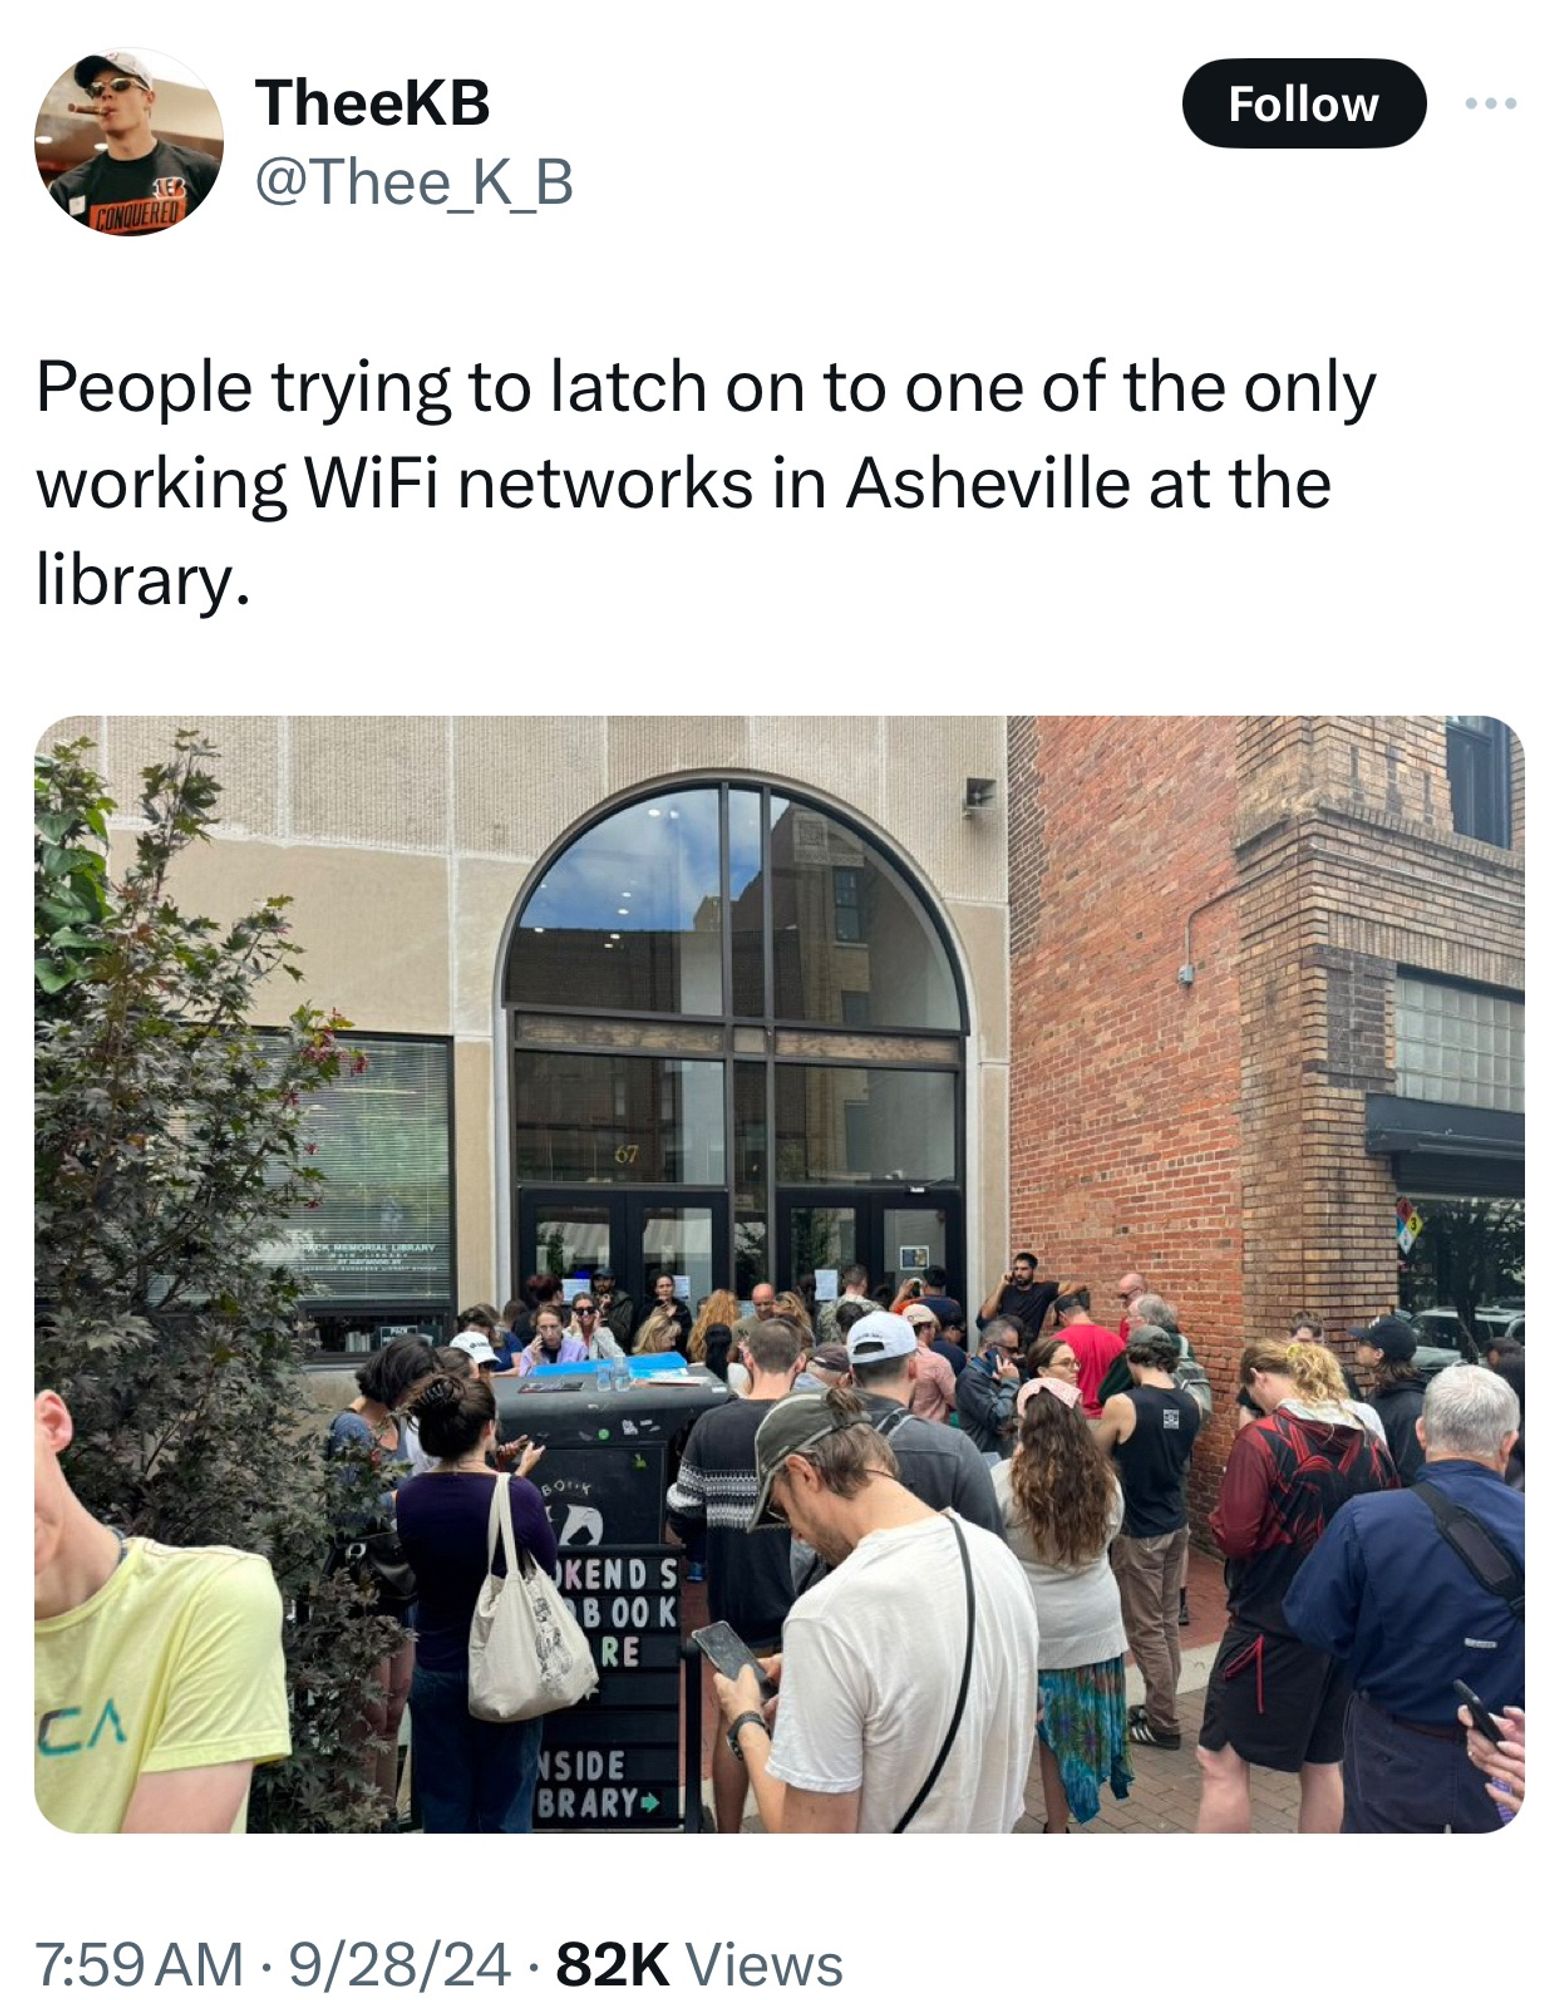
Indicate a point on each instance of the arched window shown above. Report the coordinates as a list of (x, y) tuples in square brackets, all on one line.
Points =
[(732, 995), (633, 914)]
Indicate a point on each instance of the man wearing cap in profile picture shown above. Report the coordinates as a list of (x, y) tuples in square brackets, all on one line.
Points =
[(140, 183)]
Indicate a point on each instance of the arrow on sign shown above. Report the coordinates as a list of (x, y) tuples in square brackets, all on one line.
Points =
[(650, 1802)]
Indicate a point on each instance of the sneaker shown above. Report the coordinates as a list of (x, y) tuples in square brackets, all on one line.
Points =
[(1142, 1731)]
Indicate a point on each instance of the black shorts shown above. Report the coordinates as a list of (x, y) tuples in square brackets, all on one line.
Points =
[(1274, 1700)]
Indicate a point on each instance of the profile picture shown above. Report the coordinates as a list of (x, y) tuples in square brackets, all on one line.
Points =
[(128, 142)]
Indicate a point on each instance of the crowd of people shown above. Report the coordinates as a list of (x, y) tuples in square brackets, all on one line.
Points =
[(1083, 1435), (939, 1542)]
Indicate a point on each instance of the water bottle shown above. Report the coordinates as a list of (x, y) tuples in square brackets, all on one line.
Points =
[(602, 1375), (621, 1374)]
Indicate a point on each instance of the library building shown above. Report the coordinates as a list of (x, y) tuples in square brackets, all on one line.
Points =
[(1236, 1003)]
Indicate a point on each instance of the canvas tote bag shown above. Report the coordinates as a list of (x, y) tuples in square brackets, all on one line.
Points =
[(527, 1655)]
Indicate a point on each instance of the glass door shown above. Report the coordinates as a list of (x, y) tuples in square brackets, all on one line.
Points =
[(636, 1235), (826, 1235), (896, 1236), (680, 1236), (561, 1236), (919, 1235)]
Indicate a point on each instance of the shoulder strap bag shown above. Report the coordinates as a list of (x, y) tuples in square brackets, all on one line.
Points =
[(526, 1656), (968, 1667), (1487, 1559), (377, 1563)]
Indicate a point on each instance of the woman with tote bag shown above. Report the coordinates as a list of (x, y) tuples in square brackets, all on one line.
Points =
[(471, 1776)]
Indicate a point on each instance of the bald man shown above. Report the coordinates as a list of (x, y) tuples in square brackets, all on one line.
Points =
[(1130, 1289)]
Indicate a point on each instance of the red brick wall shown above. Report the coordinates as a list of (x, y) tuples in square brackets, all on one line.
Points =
[(1212, 1137), (1125, 1084)]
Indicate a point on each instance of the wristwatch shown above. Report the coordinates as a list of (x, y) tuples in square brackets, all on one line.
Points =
[(733, 1733)]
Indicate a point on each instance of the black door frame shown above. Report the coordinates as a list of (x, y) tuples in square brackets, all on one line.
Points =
[(624, 1208), (870, 1206)]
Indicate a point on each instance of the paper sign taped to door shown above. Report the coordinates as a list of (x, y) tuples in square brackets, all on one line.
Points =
[(827, 1284)]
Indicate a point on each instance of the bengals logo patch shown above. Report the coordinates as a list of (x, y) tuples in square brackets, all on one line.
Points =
[(167, 203)]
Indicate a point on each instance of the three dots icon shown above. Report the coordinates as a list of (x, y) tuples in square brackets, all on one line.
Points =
[(1490, 103)]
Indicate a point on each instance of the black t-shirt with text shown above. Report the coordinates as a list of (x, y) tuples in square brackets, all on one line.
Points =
[(136, 197)]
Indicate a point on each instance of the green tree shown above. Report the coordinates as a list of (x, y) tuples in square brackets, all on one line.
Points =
[(70, 875), (169, 1143), (1470, 1252)]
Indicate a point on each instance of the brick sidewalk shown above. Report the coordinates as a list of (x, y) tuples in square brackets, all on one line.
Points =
[(1167, 1790)]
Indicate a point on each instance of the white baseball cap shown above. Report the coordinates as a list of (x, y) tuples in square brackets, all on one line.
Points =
[(476, 1344), (881, 1336), (118, 59)]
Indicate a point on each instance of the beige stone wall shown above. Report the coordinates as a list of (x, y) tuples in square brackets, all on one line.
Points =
[(406, 840)]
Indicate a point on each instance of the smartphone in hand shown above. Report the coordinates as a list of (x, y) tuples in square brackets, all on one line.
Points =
[(1481, 1714), (728, 1652)]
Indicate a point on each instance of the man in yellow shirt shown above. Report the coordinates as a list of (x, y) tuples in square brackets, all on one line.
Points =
[(159, 1681)]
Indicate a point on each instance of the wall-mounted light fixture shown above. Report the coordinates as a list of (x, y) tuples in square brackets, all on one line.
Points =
[(978, 795)]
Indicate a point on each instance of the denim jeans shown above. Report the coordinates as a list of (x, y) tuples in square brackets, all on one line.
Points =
[(470, 1776)]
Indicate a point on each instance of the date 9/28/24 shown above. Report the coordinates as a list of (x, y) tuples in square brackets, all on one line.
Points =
[(343, 1962)]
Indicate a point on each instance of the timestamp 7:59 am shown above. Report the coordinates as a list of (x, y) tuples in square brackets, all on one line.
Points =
[(343, 1962)]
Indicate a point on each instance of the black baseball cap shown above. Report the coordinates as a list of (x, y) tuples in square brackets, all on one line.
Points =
[(1394, 1338)]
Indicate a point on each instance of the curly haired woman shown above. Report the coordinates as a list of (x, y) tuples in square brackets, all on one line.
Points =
[(1062, 1506), (718, 1309)]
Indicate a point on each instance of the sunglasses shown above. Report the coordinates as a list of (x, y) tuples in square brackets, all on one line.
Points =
[(118, 85), (584, 1312)]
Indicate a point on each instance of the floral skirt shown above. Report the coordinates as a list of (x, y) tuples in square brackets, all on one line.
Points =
[(1084, 1727)]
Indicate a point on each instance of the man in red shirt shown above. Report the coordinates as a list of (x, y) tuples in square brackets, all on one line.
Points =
[(1095, 1347)]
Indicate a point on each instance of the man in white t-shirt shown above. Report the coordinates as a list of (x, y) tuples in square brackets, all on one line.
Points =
[(871, 1677)]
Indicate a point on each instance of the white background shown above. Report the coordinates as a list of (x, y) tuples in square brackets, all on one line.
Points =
[(896, 188)]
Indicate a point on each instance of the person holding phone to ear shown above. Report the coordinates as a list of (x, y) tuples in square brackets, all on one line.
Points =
[(589, 1326), (1018, 1294), (550, 1346)]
